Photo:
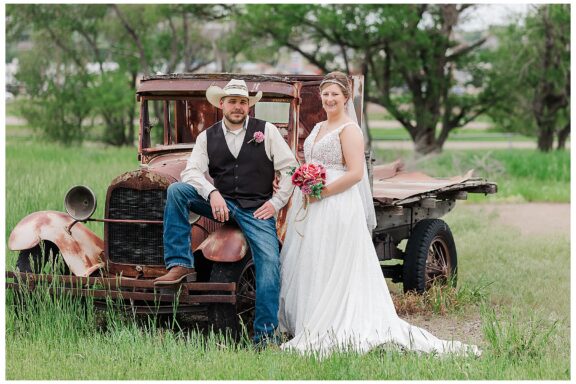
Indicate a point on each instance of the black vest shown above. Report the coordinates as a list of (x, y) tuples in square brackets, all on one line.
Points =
[(247, 178)]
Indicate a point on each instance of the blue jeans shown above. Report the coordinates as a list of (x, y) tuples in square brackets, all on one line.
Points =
[(260, 235)]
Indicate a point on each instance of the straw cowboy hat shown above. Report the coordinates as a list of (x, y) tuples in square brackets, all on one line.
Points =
[(233, 88)]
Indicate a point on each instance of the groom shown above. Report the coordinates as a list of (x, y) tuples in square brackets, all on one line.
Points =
[(242, 155)]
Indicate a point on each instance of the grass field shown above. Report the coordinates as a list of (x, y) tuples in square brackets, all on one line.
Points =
[(520, 289)]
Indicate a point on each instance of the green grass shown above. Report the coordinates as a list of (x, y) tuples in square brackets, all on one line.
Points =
[(518, 287), (13, 107), (38, 175), (384, 115), (522, 175), (458, 135)]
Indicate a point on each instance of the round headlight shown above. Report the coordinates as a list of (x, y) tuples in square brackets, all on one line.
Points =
[(80, 202)]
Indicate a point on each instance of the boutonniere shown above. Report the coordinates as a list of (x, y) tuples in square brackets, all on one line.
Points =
[(257, 138)]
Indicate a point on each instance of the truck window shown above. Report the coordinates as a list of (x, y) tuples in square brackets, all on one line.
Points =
[(274, 112), (169, 121)]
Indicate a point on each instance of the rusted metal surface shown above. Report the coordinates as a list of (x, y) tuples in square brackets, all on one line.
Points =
[(118, 282), (281, 224), (385, 171), (191, 86), (81, 249), (142, 179), (201, 229), (122, 288), (406, 187), (136, 270), (169, 164), (310, 113), (226, 244)]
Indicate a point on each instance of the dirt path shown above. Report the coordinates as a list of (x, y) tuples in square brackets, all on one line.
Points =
[(530, 218)]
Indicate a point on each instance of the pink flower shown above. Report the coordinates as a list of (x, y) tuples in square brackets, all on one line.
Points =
[(311, 178), (257, 138)]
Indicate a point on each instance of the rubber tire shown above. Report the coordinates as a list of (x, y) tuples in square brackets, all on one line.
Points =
[(224, 317), (34, 260), (414, 270)]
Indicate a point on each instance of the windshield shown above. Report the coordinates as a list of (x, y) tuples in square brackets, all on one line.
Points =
[(170, 122)]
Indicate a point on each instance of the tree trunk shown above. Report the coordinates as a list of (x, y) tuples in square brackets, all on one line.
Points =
[(425, 141), (563, 136), (144, 67), (546, 137)]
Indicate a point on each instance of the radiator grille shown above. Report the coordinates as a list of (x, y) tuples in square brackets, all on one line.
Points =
[(136, 243)]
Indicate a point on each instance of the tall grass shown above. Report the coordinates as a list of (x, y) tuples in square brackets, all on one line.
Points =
[(517, 287), (38, 175)]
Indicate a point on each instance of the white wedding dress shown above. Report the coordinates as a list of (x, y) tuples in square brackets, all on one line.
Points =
[(333, 294)]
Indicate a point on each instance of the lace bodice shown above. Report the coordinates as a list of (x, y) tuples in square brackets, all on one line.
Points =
[(327, 151)]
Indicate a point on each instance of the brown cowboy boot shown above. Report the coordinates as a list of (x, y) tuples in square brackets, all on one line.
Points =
[(177, 275)]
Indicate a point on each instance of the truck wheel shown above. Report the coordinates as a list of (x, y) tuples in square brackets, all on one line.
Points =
[(228, 318), (44, 258), (430, 256), (35, 260)]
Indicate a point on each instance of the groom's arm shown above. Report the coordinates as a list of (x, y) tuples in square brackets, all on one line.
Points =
[(284, 160)]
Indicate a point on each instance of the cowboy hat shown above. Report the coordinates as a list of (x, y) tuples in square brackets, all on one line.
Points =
[(233, 88)]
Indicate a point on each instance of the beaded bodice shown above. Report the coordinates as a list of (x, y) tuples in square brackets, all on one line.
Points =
[(326, 151)]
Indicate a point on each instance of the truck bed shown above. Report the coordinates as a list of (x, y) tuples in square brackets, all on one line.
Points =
[(394, 187)]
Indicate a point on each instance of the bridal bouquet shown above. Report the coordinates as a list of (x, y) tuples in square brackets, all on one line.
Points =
[(310, 178)]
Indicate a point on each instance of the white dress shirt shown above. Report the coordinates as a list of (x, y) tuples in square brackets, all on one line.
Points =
[(276, 149)]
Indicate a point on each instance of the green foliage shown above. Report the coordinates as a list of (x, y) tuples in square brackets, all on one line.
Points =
[(406, 52), (67, 74), (530, 76), (59, 101), (112, 98)]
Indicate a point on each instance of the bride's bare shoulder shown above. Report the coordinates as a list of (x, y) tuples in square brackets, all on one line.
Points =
[(348, 124)]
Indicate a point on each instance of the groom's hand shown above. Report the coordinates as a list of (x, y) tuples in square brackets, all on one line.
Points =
[(276, 184), (265, 212), (219, 207)]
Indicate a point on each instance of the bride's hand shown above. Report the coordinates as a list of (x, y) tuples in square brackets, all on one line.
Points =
[(312, 200)]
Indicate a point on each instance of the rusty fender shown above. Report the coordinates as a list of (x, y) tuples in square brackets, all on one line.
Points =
[(227, 244), (81, 249)]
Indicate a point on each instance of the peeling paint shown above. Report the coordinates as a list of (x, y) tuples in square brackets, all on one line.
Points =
[(226, 244), (80, 250)]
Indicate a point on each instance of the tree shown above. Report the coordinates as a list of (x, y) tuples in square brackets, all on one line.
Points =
[(407, 53), (531, 76), (55, 76), (106, 47)]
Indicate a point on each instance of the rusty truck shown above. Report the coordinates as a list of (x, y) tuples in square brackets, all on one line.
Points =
[(124, 262)]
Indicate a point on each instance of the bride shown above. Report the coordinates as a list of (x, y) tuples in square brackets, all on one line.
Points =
[(333, 295)]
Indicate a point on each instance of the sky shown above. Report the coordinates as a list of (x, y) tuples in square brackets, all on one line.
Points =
[(491, 14)]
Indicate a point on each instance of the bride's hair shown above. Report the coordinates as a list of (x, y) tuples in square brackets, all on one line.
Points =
[(340, 79)]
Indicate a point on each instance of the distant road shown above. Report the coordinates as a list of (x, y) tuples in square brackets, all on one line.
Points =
[(408, 145)]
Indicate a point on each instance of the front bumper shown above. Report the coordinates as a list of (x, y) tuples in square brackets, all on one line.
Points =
[(139, 295)]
